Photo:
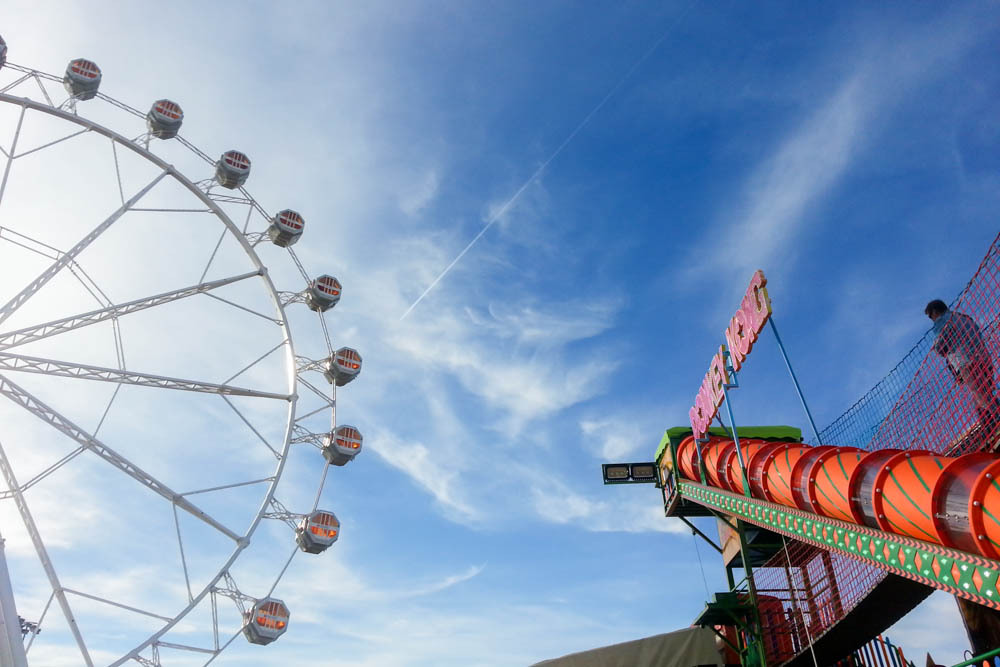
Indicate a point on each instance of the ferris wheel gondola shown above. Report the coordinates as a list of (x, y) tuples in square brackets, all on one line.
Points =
[(314, 530), (82, 79)]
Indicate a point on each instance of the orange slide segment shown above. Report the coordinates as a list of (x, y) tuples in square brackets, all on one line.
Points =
[(952, 501)]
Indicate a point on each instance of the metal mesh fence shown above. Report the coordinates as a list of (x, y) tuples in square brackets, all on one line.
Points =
[(940, 397), (803, 592)]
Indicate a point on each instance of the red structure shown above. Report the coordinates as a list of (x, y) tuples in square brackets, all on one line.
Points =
[(903, 482)]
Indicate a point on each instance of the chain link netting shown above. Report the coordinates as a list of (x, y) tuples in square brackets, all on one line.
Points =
[(940, 397)]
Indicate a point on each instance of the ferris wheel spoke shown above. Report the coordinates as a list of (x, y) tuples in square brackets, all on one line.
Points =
[(51, 143), (97, 598), (269, 318), (15, 362), (323, 397), (43, 556), (11, 306), (45, 250), (55, 327), (42, 475), (16, 82), (257, 433), (10, 156), (311, 413), (224, 646), (33, 405), (185, 647)]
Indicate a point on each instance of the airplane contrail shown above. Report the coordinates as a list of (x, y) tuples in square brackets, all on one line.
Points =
[(510, 202)]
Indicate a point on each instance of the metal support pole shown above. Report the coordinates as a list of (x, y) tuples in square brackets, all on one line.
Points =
[(701, 462), (756, 635), (11, 639), (795, 381), (736, 440), (701, 534)]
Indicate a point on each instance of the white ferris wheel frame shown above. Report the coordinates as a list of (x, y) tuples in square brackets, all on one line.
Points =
[(222, 584)]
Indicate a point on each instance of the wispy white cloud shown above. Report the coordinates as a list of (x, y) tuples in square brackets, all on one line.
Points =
[(556, 502), (547, 325), (431, 469), (773, 203), (614, 439), (802, 169), (418, 194)]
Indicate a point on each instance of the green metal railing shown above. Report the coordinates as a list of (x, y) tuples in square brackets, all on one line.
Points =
[(976, 661)]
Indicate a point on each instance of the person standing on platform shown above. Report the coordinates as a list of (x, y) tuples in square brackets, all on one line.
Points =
[(960, 341)]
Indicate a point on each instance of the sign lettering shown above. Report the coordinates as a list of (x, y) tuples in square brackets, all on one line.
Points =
[(742, 332)]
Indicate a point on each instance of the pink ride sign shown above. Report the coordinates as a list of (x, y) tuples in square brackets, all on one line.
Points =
[(743, 330)]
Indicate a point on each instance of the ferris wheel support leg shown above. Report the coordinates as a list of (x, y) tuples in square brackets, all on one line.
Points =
[(11, 640)]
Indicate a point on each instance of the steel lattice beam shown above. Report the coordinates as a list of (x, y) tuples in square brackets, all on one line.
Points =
[(27, 335), (43, 556), (26, 400), (15, 362), (8, 309)]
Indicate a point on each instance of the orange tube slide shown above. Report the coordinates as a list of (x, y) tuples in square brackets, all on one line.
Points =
[(954, 502)]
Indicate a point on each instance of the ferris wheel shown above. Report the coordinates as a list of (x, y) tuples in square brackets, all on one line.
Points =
[(155, 411)]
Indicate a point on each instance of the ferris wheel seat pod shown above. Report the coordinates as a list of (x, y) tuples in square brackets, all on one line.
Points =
[(343, 445), (343, 366), (3, 52), (317, 532), (82, 78), (323, 293), (232, 169), (164, 119), (266, 621), (286, 228)]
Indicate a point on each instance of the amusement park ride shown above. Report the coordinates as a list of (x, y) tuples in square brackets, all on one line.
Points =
[(263, 618), (841, 537)]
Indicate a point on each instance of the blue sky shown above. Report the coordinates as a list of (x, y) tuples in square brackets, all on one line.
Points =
[(848, 150)]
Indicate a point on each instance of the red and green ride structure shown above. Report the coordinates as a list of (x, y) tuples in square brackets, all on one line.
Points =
[(840, 537)]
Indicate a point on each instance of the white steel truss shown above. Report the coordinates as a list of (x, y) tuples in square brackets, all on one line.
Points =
[(301, 435), (55, 327), (45, 276), (15, 362), (36, 407), (43, 556)]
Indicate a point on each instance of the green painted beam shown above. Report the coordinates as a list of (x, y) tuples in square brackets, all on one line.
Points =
[(967, 575)]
